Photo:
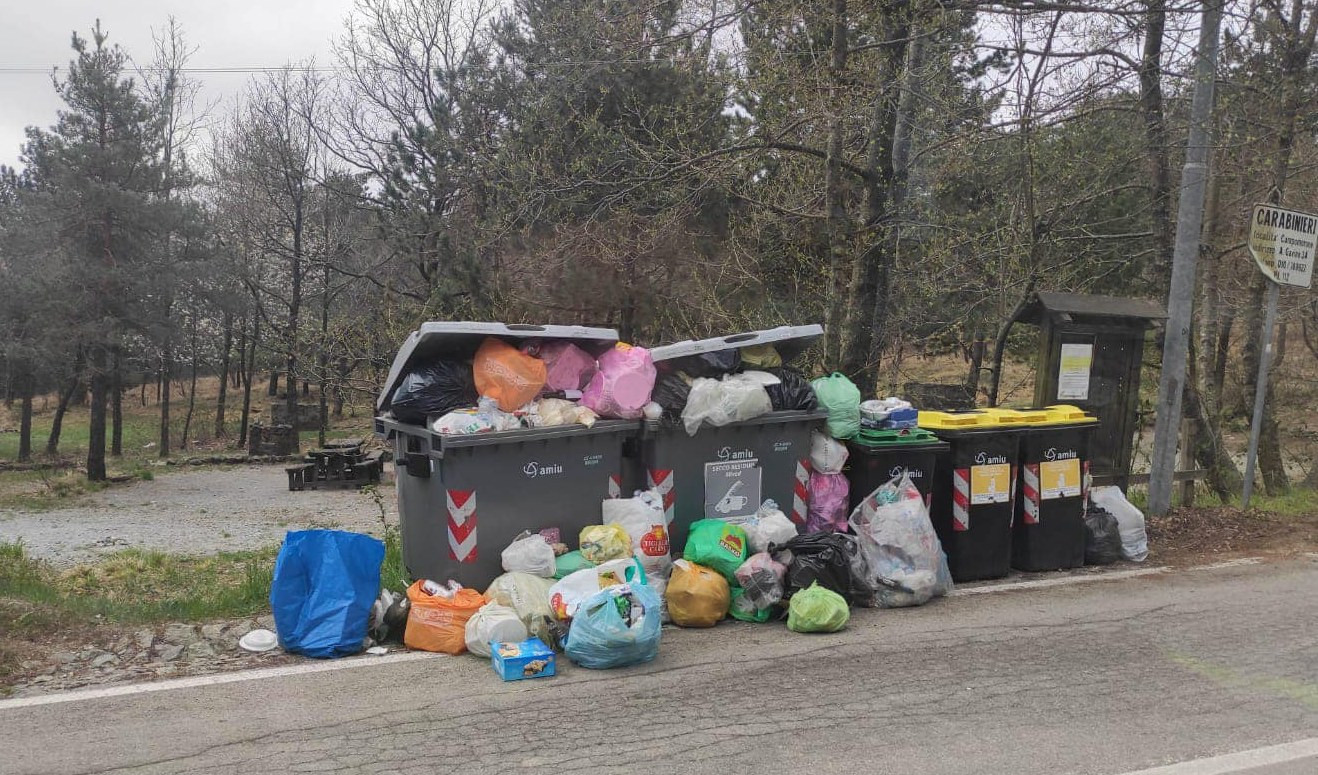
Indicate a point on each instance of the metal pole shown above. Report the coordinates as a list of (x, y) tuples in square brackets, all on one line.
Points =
[(1260, 392), (1180, 299)]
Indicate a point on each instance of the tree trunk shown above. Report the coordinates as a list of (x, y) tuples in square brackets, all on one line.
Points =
[(224, 376), (25, 419), (99, 363), (294, 307), (142, 390), (1159, 270), (249, 369), (116, 405), (323, 359), (977, 349), (837, 227), (166, 373), (339, 386), (272, 388), (192, 390), (65, 399), (1000, 342)]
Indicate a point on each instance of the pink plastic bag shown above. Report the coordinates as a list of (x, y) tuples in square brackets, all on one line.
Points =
[(828, 503), (569, 367), (623, 383)]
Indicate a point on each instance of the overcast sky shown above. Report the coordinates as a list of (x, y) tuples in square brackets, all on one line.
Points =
[(227, 33)]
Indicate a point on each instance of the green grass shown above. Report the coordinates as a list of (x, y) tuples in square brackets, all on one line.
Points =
[(137, 585), (1299, 502)]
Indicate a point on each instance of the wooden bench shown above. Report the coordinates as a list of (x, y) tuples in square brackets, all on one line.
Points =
[(299, 476)]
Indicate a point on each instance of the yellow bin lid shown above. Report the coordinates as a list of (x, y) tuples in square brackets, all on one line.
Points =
[(1061, 414), (969, 420)]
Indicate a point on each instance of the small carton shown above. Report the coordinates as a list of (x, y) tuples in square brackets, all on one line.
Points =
[(529, 659)]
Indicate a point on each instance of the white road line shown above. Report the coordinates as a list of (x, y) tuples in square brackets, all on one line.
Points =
[(211, 680), (1237, 563), (1242, 761), (1063, 581)]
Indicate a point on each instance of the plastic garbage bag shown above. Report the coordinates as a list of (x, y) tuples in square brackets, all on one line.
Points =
[(906, 562), (325, 583), (742, 608), (832, 559), (560, 411), (761, 356), (571, 562), (1102, 537), (718, 545), (670, 392), (487, 417), (568, 592), (601, 543), (529, 553), (817, 609), (567, 367), (616, 627), (734, 398), (793, 391), (493, 623), (769, 526), (529, 596), (697, 596), (622, 386), (711, 364), (509, 376), (761, 578), (642, 516), (438, 618), (829, 495), (1134, 539), (436, 388), (839, 397), (827, 456), (389, 616)]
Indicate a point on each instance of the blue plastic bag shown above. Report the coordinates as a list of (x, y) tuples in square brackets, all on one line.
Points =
[(324, 585), (601, 637)]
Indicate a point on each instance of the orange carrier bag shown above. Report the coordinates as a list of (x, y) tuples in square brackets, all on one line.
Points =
[(508, 375), (436, 623)]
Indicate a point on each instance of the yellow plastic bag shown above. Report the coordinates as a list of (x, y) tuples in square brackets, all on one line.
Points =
[(508, 375), (437, 623), (601, 543), (697, 596)]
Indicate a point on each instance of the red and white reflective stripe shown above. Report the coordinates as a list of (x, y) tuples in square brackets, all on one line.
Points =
[(1031, 492), (961, 499), (1014, 473), (801, 492), (615, 485), (1084, 482), (462, 525), (661, 481)]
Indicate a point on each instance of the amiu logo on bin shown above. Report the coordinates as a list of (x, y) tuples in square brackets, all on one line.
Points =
[(728, 453), (534, 469), (1052, 454), (985, 459), (897, 471)]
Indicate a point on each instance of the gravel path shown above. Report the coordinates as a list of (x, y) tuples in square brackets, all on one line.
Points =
[(191, 512)]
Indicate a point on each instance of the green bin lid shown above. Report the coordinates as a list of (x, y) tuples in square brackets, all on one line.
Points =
[(894, 438)]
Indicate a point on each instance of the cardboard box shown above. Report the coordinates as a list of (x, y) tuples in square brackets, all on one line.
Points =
[(529, 659)]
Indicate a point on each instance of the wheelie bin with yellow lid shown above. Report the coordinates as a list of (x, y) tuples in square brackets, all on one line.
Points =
[(974, 482), (1049, 533)]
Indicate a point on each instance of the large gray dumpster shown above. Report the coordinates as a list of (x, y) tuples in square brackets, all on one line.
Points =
[(462, 499), (726, 472)]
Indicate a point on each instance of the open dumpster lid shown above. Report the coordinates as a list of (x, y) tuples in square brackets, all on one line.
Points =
[(460, 341), (789, 341)]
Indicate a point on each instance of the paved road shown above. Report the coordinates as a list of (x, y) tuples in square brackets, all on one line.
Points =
[(1100, 679)]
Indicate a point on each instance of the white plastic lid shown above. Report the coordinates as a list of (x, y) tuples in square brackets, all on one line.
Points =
[(258, 641), (789, 341)]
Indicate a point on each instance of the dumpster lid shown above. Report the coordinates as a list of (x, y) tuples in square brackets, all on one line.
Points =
[(965, 420), (789, 341), (1018, 417), (1060, 414), (893, 438), (461, 339)]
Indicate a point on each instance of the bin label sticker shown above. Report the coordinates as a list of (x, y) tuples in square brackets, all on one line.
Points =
[(782, 446), (1059, 478), (592, 460), (1073, 372), (732, 489), (990, 484)]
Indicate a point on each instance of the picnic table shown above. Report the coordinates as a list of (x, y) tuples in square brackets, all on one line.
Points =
[(340, 464)]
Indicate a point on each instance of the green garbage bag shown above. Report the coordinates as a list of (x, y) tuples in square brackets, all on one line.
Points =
[(743, 609), (717, 544), (570, 563), (817, 609), (839, 397)]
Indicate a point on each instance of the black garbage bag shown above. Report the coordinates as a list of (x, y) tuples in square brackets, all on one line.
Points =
[(794, 392), (436, 388), (1102, 537), (713, 364), (832, 559), (671, 392)]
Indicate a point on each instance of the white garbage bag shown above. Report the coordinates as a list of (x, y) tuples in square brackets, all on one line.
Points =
[(720, 402), (529, 553), (493, 623), (1134, 538), (769, 526), (642, 516), (827, 455), (569, 591), (906, 562)]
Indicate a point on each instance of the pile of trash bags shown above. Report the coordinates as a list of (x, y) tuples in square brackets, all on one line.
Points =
[(727, 386), (536, 384)]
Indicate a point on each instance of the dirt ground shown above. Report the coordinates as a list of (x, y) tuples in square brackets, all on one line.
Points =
[(191, 511)]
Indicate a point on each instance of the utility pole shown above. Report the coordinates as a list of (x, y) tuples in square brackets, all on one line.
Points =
[(1180, 301)]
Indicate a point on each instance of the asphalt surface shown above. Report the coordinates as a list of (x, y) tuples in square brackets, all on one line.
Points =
[(1095, 679)]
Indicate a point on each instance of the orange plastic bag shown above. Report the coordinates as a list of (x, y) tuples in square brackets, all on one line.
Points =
[(508, 375), (435, 623)]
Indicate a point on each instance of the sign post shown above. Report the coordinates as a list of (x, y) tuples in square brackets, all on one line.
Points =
[(1282, 243)]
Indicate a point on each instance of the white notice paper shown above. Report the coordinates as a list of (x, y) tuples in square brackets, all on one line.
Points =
[(1073, 374)]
